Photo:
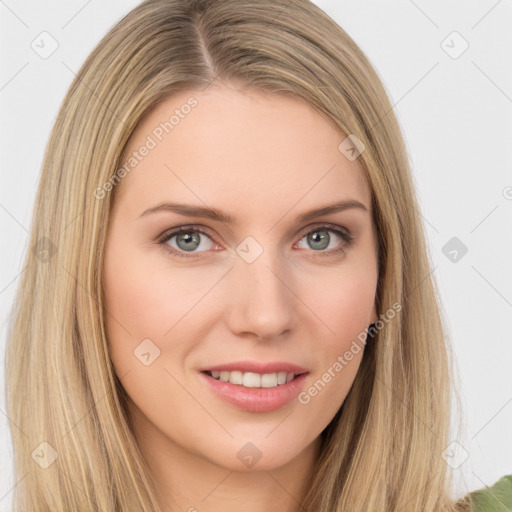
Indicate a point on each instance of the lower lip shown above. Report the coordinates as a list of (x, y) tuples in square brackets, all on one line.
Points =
[(256, 399)]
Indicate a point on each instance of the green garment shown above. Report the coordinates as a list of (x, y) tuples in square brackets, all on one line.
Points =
[(496, 498)]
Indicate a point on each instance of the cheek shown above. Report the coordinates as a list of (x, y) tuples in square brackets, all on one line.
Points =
[(342, 295), (343, 299), (344, 304), (135, 298), (146, 299), (348, 303)]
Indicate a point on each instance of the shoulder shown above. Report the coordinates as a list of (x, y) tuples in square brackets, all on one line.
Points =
[(496, 498)]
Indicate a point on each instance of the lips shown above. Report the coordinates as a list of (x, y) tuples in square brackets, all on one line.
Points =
[(257, 367), (254, 399)]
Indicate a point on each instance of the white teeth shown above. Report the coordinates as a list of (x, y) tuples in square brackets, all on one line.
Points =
[(253, 380), (236, 377)]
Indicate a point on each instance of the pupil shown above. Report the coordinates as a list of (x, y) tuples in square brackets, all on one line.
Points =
[(188, 238), (317, 238)]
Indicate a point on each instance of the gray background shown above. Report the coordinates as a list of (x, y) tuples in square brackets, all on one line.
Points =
[(455, 111)]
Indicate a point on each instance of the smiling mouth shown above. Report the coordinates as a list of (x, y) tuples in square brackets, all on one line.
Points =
[(252, 379)]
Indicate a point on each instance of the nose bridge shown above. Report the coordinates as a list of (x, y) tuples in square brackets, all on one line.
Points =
[(261, 302)]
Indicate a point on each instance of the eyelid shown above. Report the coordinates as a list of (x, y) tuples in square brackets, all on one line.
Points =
[(170, 233), (317, 225)]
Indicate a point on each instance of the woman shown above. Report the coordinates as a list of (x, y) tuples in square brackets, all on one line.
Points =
[(229, 301)]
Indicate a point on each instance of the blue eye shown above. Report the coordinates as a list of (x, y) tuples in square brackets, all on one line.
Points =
[(189, 238), (319, 239)]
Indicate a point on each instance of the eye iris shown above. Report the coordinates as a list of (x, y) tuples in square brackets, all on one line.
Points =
[(322, 239), (188, 237)]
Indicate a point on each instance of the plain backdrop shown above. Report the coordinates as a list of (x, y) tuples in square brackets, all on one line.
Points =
[(446, 67)]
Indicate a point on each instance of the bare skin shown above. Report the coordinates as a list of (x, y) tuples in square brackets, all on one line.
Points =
[(264, 160)]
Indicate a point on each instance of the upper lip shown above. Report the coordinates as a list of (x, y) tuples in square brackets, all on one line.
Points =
[(258, 367)]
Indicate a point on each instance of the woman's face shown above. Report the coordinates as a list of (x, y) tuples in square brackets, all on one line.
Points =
[(267, 287)]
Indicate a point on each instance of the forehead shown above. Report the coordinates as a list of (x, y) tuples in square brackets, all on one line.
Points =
[(247, 150)]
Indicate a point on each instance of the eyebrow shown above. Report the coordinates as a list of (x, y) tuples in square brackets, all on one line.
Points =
[(220, 216)]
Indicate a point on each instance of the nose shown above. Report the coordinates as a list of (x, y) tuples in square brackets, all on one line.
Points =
[(262, 301)]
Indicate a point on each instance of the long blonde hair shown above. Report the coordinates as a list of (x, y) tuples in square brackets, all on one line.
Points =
[(73, 446)]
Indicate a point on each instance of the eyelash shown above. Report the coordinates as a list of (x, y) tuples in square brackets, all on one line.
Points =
[(348, 239)]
